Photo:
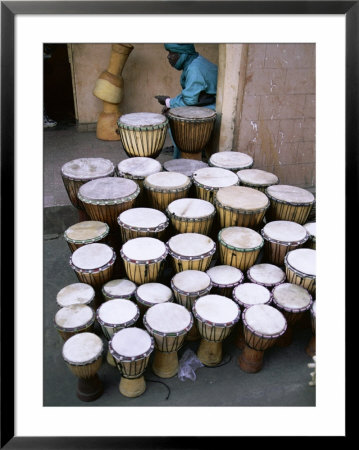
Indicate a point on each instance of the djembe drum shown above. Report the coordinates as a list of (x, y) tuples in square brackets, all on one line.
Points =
[(289, 203), (150, 294), (131, 349), (300, 268), (185, 166), (114, 315), (77, 172), (293, 301), (209, 179), (280, 237), (224, 279), (74, 319), (191, 215), (187, 286), (119, 288), (86, 232), (191, 128), (231, 160), (83, 356), (164, 187), (169, 324), (257, 179), (142, 222), (191, 251), (239, 247), (311, 350), (75, 294), (312, 231), (267, 275), (215, 317), (240, 206), (262, 326), (143, 134), (144, 259)]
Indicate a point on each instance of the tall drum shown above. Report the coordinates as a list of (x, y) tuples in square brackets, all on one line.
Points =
[(300, 268), (267, 275), (74, 319), (86, 232), (142, 222), (185, 166), (143, 133), (75, 294), (257, 179), (224, 279), (209, 179), (191, 215), (231, 160), (119, 288)]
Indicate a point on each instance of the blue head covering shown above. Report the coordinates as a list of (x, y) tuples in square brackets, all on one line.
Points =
[(188, 49)]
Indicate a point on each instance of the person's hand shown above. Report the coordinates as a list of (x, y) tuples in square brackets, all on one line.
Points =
[(161, 99)]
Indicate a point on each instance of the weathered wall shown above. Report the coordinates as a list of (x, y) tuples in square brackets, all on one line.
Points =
[(277, 121)]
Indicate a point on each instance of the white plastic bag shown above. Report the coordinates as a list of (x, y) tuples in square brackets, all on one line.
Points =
[(188, 364)]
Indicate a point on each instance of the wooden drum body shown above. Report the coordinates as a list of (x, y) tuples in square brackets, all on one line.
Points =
[(300, 268), (257, 179), (311, 348), (209, 179), (74, 319), (86, 232), (191, 215), (142, 222)]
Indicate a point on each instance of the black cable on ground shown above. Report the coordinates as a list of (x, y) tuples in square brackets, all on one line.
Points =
[(164, 384)]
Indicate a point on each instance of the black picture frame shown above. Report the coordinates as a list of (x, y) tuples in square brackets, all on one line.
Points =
[(9, 9)]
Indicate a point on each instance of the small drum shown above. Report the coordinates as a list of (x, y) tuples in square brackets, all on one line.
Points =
[(215, 316), (74, 319), (77, 172), (144, 259), (104, 199), (191, 215), (86, 232), (262, 326), (209, 179), (150, 294), (131, 349), (164, 187), (93, 264), (75, 294), (257, 179), (83, 356), (137, 169), (312, 231), (191, 128), (293, 301), (114, 315), (239, 247), (169, 324), (231, 160), (142, 222), (280, 237), (143, 133), (191, 251), (224, 278), (300, 268), (267, 275), (185, 166), (311, 348), (187, 287), (240, 206), (289, 203), (120, 288)]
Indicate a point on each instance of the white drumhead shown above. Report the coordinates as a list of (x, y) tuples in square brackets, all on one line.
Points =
[(303, 260), (167, 180), (314, 308), (92, 256), (117, 311), (131, 342), (76, 293), (257, 177), (191, 208), (185, 166), (285, 231), (73, 316), (191, 244), (191, 281), (231, 160), (142, 119), (168, 317), (143, 217), (81, 348), (265, 319), (266, 273), (144, 249), (290, 194), (252, 294), (120, 287), (88, 168), (291, 296), (225, 274), (88, 229), (240, 197), (192, 112), (215, 177), (139, 167), (311, 227), (154, 293), (216, 308), (241, 237), (110, 188)]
